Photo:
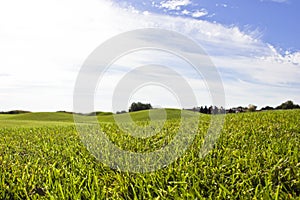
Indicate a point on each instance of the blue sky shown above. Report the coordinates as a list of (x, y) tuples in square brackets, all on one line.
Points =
[(253, 44), (275, 20)]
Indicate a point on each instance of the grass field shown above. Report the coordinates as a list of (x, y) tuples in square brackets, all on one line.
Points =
[(256, 157)]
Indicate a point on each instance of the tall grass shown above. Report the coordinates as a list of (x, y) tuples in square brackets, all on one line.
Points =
[(256, 157)]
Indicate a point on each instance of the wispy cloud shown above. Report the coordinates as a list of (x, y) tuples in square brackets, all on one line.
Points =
[(199, 13)]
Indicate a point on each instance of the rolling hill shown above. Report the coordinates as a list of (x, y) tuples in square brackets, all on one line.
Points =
[(64, 118)]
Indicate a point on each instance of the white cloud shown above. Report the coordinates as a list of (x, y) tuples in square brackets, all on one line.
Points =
[(43, 45), (174, 4), (146, 13), (185, 12), (199, 13), (286, 58)]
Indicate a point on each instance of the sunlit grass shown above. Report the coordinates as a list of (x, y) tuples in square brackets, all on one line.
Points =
[(256, 156)]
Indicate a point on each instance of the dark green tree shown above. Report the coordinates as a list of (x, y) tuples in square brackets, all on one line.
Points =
[(139, 106), (288, 105)]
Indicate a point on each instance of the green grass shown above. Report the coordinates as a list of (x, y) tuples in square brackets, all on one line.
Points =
[(39, 119), (144, 115), (256, 157), (36, 119), (7, 123), (44, 116)]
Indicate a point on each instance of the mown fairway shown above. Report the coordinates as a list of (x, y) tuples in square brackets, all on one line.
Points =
[(257, 156)]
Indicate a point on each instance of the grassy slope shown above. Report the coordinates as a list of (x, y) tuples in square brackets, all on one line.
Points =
[(57, 118), (44, 116), (145, 115), (36, 119)]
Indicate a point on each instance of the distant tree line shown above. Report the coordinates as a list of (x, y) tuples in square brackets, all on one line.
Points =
[(251, 108), (210, 110), (15, 112), (284, 106), (121, 112)]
